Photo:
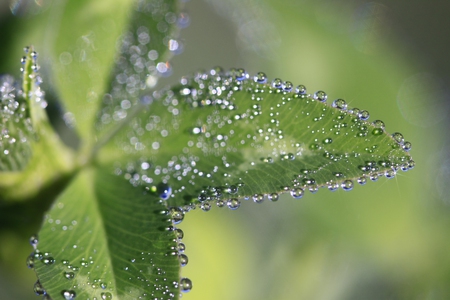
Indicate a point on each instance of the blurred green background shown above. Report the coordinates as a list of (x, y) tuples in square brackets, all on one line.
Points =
[(386, 240)]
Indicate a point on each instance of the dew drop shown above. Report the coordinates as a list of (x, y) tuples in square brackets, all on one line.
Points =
[(241, 74), (39, 289), (34, 241), (277, 83), (320, 96), (273, 197), (407, 146), (106, 296), (347, 185), (48, 260), (164, 191), (260, 77), (233, 203), (390, 174), (398, 137), (69, 275), (205, 206), (362, 180), (327, 141), (377, 131), (176, 214), (340, 104), (258, 198), (183, 260), (202, 197), (179, 233), (364, 115), (378, 124), (232, 189), (181, 247), (68, 294), (297, 193), (300, 89), (185, 285), (30, 261), (287, 86)]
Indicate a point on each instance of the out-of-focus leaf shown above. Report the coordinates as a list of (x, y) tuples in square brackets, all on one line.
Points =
[(144, 51), (107, 239)]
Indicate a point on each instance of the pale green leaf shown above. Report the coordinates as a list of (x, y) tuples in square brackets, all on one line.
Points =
[(104, 238)]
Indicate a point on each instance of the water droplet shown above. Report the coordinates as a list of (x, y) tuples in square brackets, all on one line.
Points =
[(30, 261), (202, 197), (373, 176), (260, 77), (179, 233), (327, 141), (300, 89), (164, 191), (277, 83), (176, 214), (240, 74), (34, 241), (377, 131), (398, 137), (206, 206), (68, 294), (320, 96), (364, 115), (232, 189), (297, 193), (181, 247), (39, 289), (378, 124), (407, 146), (48, 260), (233, 203), (106, 296), (362, 180), (258, 198), (333, 186), (287, 86), (185, 285), (273, 197), (183, 260), (347, 185), (390, 174), (69, 275), (340, 104)]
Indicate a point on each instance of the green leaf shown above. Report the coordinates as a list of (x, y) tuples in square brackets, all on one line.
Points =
[(144, 51), (104, 238), (83, 36), (33, 156), (91, 36), (223, 137)]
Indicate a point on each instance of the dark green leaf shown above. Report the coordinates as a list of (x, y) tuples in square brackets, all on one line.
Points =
[(222, 137), (104, 238)]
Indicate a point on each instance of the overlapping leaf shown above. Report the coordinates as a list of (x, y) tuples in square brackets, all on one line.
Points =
[(219, 137), (104, 238)]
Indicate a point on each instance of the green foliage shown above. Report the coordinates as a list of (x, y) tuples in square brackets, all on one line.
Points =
[(149, 157)]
